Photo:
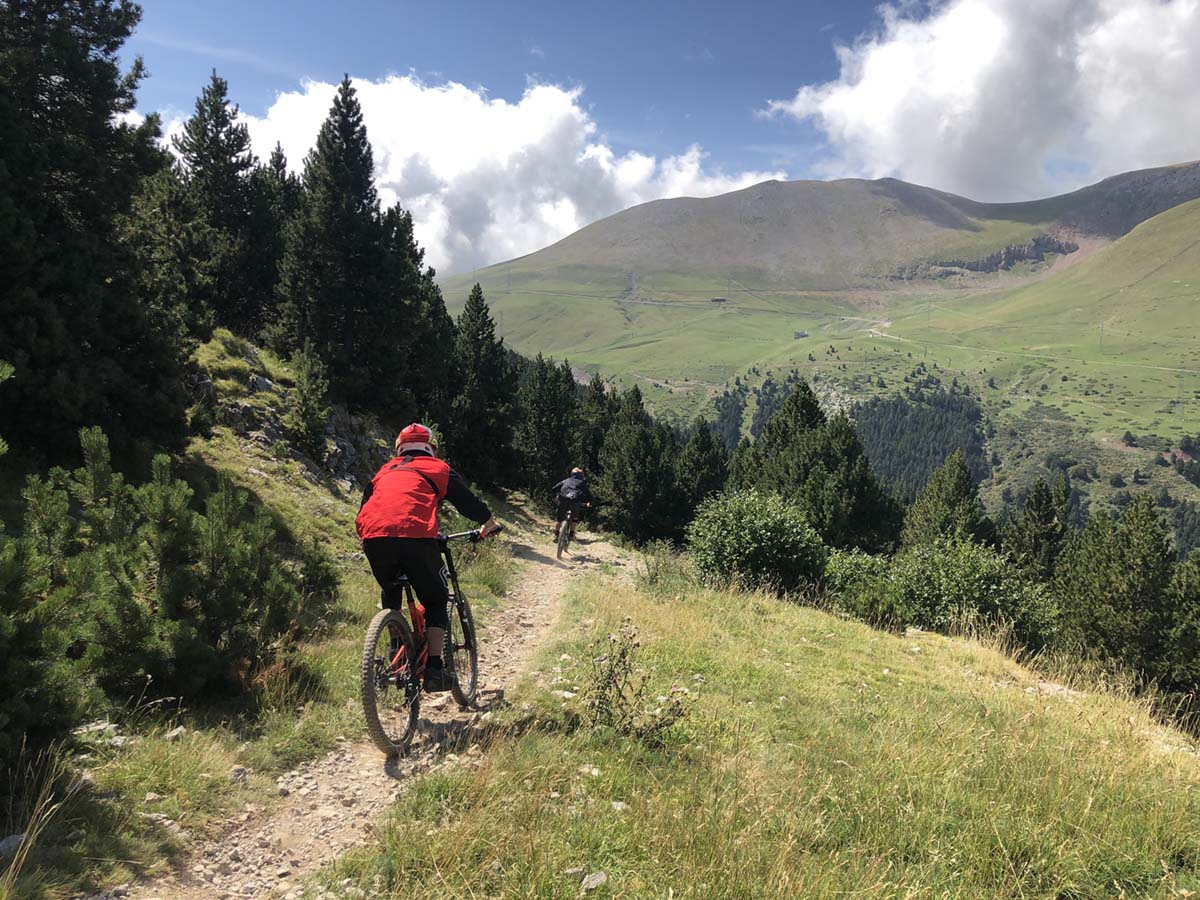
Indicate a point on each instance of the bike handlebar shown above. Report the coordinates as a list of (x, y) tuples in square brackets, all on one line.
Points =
[(473, 536)]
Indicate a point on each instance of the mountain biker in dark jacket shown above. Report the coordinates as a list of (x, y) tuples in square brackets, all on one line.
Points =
[(398, 526), (573, 494)]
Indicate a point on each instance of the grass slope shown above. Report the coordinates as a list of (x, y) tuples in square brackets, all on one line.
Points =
[(1116, 332), (820, 759)]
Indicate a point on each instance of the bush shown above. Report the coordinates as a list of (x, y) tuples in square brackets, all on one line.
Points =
[(951, 582), (756, 540), (153, 596), (617, 694), (857, 584), (308, 403)]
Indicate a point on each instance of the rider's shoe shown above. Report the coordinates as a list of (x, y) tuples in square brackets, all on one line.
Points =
[(438, 680)]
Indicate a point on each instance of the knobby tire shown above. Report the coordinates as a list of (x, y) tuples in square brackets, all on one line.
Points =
[(390, 622), (464, 651)]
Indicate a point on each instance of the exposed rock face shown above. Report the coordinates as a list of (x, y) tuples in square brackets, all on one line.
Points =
[(1033, 251)]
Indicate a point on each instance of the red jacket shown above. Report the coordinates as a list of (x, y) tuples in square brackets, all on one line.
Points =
[(402, 499)]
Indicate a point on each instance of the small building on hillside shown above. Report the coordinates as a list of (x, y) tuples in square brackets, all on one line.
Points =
[(799, 335), (718, 299)]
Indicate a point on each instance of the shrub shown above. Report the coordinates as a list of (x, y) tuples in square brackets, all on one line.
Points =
[(948, 583), (152, 593), (756, 540), (616, 694), (308, 403), (857, 584)]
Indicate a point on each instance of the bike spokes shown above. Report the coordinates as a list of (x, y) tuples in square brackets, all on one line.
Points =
[(390, 687)]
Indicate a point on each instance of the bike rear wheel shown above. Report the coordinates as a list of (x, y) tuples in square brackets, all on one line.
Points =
[(463, 654), (391, 690), (564, 535)]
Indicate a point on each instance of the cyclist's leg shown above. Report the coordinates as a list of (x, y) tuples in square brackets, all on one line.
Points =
[(385, 555), (426, 570)]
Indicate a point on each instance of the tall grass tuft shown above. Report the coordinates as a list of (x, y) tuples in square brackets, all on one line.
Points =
[(39, 785)]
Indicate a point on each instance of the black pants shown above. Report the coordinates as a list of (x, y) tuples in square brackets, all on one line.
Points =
[(421, 560), (575, 507)]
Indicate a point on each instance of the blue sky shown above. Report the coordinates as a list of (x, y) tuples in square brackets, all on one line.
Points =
[(657, 76), (504, 126)]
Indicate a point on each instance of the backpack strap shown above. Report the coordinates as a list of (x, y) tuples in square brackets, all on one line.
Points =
[(408, 458)]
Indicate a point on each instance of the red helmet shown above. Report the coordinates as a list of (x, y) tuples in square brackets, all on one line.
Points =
[(416, 437), (577, 471)]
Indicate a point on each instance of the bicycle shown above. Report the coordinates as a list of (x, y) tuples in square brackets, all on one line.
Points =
[(395, 654), (566, 532)]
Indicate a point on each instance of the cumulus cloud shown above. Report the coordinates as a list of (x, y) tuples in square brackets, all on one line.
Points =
[(485, 178), (1008, 99)]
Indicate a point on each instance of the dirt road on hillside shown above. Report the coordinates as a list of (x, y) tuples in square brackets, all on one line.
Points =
[(334, 803)]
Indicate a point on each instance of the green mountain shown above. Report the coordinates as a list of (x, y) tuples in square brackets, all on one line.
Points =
[(683, 295), (823, 235)]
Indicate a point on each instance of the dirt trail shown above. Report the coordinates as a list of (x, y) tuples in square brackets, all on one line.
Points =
[(334, 803)]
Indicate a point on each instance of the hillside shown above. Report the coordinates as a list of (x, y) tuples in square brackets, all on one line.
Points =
[(1065, 354), (633, 295), (817, 758), (1113, 331)]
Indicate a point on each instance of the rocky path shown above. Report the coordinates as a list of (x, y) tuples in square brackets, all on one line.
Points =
[(333, 803)]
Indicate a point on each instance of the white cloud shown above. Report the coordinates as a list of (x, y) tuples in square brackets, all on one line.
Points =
[(485, 178), (1007, 99)]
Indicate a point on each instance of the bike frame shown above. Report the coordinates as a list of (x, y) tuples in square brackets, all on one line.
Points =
[(416, 611)]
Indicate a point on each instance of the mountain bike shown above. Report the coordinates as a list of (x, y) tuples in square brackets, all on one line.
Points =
[(566, 532), (395, 654)]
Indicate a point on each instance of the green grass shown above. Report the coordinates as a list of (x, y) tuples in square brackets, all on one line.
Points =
[(820, 759)]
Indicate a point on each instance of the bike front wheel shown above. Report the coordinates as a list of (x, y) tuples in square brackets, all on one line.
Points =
[(464, 651), (391, 690)]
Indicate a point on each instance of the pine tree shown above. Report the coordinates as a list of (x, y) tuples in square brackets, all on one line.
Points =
[(217, 164), (178, 256), (547, 411), (6, 372), (1112, 584), (333, 286), (702, 466), (308, 406), (1179, 666), (418, 344), (819, 464), (636, 486), (1034, 539), (949, 506), (72, 321), (276, 196), (482, 413), (596, 408)]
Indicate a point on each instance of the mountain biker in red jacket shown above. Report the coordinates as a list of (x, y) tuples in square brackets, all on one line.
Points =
[(397, 524)]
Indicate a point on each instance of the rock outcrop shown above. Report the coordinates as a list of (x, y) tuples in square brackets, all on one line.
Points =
[(1034, 250)]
